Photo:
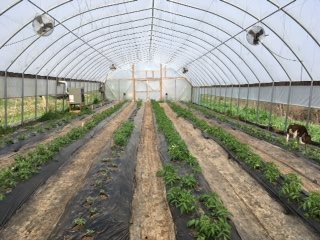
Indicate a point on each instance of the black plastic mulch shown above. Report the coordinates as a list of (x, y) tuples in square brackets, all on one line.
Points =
[(181, 220), (106, 197), (21, 193), (34, 135)]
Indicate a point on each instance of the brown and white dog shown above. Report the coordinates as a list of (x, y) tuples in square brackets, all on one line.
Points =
[(299, 132)]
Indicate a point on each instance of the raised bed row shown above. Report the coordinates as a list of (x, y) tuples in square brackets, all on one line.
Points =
[(37, 166), (102, 209), (285, 188), (12, 139), (310, 152), (260, 118), (197, 212)]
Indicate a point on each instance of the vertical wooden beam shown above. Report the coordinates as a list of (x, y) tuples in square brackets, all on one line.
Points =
[(36, 98), (161, 83), (175, 89), (133, 83), (165, 71)]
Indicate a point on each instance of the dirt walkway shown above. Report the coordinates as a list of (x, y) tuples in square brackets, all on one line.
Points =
[(151, 217), (8, 159), (286, 161), (41, 213), (255, 214)]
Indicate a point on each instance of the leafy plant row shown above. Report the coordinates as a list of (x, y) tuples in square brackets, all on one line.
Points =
[(182, 188), (50, 120), (27, 165), (311, 152), (250, 114), (123, 133), (291, 186)]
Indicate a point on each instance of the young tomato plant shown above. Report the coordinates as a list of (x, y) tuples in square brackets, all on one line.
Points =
[(312, 205), (122, 135), (169, 175), (292, 187), (271, 172), (208, 228), (182, 199)]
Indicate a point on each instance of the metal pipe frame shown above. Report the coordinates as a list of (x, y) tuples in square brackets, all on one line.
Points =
[(225, 32), (22, 99), (75, 40), (204, 72), (287, 110), (36, 98), (5, 99), (310, 103), (244, 29)]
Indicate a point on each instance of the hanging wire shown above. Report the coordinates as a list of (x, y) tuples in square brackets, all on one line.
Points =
[(22, 40), (278, 55), (187, 38)]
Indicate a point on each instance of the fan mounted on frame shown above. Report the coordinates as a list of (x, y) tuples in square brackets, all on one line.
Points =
[(255, 35), (43, 24)]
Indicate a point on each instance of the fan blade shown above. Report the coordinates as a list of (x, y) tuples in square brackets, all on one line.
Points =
[(260, 33), (39, 19)]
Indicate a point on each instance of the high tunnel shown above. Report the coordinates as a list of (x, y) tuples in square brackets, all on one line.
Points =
[(160, 119), (180, 50)]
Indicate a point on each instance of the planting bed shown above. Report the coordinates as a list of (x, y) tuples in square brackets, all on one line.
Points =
[(254, 212), (102, 208), (192, 203), (9, 153), (38, 217), (249, 115), (12, 139), (151, 217), (312, 152), (286, 161)]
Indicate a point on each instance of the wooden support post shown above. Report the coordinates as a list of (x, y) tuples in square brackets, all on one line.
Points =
[(161, 82), (133, 83)]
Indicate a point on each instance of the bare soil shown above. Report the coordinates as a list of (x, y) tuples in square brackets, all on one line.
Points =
[(151, 217), (286, 161), (38, 217), (8, 159), (255, 214)]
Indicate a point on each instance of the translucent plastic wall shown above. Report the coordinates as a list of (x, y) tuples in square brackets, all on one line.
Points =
[(26, 99), (149, 84)]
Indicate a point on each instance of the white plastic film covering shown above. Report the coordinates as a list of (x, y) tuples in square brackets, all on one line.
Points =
[(206, 37), (147, 84)]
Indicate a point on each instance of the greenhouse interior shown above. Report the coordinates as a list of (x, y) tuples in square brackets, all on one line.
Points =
[(160, 119)]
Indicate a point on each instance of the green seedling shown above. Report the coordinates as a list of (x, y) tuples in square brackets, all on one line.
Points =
[(80, 221)]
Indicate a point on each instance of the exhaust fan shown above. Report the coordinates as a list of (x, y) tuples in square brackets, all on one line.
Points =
[(43, 24)]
